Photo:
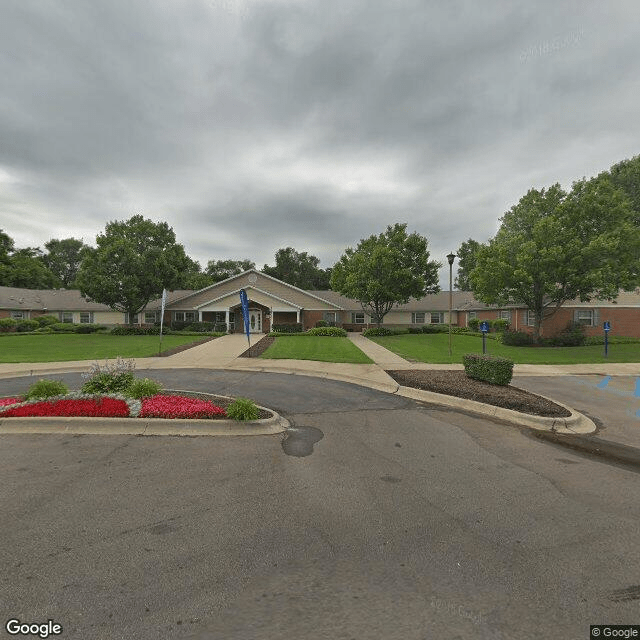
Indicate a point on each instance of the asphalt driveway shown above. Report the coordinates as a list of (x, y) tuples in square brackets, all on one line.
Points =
[(395, 520)]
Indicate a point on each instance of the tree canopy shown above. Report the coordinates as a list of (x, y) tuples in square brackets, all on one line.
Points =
[(298, 269), (63, 259), (467, 262), (134, 261), (219, 270), (386, 270), (23, 268), (554, 246)]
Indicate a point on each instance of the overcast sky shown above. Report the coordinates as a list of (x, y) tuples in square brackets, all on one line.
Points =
[(251, 125)]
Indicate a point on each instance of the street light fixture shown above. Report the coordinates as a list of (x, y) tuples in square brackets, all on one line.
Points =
[(451, 257)]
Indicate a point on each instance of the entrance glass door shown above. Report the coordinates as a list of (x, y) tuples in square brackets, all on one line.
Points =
[(255, 321)]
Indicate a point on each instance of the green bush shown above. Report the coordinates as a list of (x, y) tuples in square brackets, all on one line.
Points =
[(46, 320), (7, 324), (322, 323), (132, 330), (200, 326), (26, 325), (88, 328), (64, 327), (220, 327), (517, 338), (474, 324), (500, 324), (335, 332), (44, 330), (243, 409), (46, 388), (572, 336), (287, 328), (377, 331), (116, 378), (488, 368), (143, 388)]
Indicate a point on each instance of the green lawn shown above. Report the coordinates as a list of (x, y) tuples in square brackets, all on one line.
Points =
[(434, 348), (91, 346), (323, 348)]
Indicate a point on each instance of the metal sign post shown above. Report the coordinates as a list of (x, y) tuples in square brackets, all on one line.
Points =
[(607, 328), (484, 327), (245, 313)]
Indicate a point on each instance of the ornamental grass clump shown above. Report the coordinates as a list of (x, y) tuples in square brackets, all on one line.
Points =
[(144, 388), (243, 409), (46, 389), (115, 378)]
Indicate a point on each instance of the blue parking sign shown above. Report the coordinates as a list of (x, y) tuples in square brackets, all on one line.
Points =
[(484, 326), (607, 326)]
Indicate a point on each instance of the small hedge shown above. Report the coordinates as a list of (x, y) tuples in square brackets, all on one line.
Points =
[(377, 331), (46, 320), (7, 325), (287, 328), (488, 368), (517, 338), (26, 325), (500, 324), (335, 332)]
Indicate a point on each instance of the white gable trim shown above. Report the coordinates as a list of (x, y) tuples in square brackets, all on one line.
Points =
[(264, 275), (237, 292)]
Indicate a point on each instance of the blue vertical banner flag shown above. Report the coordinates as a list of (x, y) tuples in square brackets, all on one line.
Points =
[(245, 312), (164, 300)]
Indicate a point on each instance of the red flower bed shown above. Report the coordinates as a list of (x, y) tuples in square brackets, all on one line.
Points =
[(179, 407), (103, 407), (5, 401)]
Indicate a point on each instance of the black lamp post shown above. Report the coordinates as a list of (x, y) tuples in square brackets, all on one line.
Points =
[(451, 257)]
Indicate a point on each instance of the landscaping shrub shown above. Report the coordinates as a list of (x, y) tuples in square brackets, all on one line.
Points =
[(243, 409), (44, 330), (571, 336), (474, 324), (335, 332), (46, 389), (287, 328), (201, 326), (414, 330), (377, 331), (7, 325), (488, 368), (220, 327), (143, 388), (517, 338), (500, 324), (322, 323), (435, 328), (26, 325), (64, 327), (46, 320), (89, 328), (116, 378), (133, 330)]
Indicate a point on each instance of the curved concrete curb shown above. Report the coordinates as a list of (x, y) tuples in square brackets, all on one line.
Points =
[(576, 423), (147, 426)]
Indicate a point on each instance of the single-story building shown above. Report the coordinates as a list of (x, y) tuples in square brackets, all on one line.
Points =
[(273, 302)]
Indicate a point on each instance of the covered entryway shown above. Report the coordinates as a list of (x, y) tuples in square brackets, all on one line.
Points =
[(255, 321)]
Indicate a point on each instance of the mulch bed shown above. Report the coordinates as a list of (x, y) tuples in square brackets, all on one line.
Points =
[(259, 347), (456, 383)]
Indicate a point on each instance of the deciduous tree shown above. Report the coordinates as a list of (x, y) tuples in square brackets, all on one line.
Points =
[(386, 270), (467, 262), (134, 261), (298, 269), (63, 259)]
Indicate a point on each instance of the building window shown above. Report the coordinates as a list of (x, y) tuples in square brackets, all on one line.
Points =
[(134, 321), (505, 315), (530, 318), (17, 315), (330, 317), (184, 316), (585, 316), (437, 317), (149, 317), (357, 317), (220, 316), (417, 318), (86, 317), (66, 316), (473, 314)]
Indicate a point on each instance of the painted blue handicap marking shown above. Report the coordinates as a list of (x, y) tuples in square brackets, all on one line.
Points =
[(605, 382), (637, 392)]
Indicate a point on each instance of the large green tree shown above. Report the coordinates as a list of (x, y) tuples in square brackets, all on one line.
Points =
[(25, 268), (467, 261), (386, 270), (219, 270), (133, 262), (298, 269), (63, 259), (626, 176), (554, 246)]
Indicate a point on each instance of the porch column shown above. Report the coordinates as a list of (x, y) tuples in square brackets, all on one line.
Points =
[(199, 315), (226, 319), (298, 316)]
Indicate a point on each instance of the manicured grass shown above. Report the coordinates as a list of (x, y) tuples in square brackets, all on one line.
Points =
[(92, 346), (434, 348), (323, 348)]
